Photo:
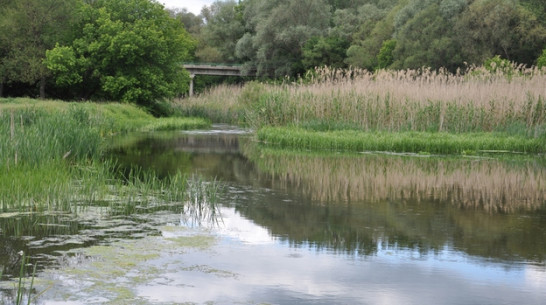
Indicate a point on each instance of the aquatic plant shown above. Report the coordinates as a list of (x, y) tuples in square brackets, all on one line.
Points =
[(51, 155), (219, 104), (427, 142), (202, 201)]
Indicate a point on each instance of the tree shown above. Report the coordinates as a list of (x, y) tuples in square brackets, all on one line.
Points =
[(325, 51), (276, 32), (28, 29), (224, 27), (127, 50), (385, 57), (426, 38), (377, 27), (492, 27), (192, 23)]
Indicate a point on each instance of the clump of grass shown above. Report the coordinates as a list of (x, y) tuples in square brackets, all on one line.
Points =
[(202, 201), (176, 123), (430, 142)]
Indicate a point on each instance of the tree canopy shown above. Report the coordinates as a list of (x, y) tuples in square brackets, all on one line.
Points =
[(126, 50), (285, 37), (132, 50)]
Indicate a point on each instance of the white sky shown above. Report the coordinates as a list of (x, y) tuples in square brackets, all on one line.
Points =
[(193, 6)]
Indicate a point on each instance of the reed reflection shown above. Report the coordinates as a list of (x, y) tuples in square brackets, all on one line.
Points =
[(485, 184)]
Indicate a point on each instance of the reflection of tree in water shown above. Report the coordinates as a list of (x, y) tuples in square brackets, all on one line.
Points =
[(354, 204)]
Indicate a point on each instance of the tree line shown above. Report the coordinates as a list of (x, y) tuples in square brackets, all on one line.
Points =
[(132, 50), (289, 37), (122, 50)]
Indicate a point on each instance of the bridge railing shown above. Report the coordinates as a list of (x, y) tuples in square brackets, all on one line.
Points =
[(213, 64)]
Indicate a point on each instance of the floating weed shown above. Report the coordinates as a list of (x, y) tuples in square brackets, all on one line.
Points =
[(115, 275)]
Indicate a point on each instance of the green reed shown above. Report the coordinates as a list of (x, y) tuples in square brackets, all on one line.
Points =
[(426, 142), (51, 155), (164, 124)]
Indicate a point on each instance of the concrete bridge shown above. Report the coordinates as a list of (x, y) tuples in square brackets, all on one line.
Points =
[(213, 69)]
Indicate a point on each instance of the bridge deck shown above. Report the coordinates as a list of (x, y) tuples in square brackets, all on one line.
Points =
[(211, 69)]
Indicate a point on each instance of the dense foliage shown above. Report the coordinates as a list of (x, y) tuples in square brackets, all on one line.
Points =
[(123, 50), (288, 37), (131, 50)]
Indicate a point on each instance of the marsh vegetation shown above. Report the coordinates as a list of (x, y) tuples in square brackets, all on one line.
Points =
[(476, 109)]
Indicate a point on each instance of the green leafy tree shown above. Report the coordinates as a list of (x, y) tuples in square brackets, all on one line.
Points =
[(27, 29), (192, 23), (276, 32), (385, 57), (503, 27), (127, 50), (426, 39), (377, 27), (541, 61), (224, 27), (325, 51)]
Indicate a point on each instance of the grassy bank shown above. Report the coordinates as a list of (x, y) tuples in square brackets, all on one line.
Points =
[(419, 142), (431, 104), (51, 155)]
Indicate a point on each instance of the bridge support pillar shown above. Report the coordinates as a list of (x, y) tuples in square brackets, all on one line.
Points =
[(192, 76)]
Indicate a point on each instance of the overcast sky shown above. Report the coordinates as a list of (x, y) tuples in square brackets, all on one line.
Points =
[(193, 6)]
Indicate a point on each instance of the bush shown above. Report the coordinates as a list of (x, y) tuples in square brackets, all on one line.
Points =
[(541, 61)]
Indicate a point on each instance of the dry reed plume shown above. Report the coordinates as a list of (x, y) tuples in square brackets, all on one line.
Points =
[(420, 100)]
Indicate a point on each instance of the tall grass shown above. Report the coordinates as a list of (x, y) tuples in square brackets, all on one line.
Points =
[(51, 155), (474, 100), (219, 104)]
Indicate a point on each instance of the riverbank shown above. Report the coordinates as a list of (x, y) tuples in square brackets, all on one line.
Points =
[(421, 110), (53, 155)]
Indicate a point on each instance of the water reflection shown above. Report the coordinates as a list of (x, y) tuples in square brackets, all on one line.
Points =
[(355, 204), (304, 228), (477, 184)]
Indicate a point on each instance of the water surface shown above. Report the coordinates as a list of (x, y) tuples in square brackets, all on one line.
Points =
[(302, 228)]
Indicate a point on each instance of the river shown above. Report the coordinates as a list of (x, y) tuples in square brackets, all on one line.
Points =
[(301, 228)]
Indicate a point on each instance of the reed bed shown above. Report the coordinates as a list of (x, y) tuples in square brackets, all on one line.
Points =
[(219, 104), (473, 100), (475, 184), (411, 100)]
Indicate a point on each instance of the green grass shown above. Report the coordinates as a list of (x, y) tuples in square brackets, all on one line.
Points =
[(416, 142), (51, 155), (164, 124)]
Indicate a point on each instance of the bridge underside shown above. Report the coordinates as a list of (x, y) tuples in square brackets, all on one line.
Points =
[(213, 70)]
